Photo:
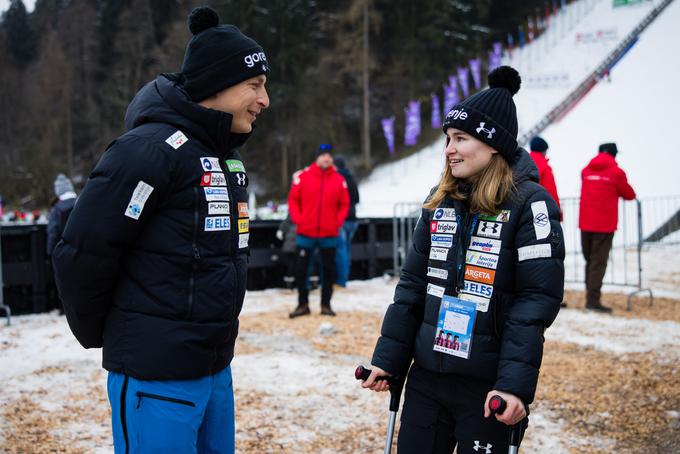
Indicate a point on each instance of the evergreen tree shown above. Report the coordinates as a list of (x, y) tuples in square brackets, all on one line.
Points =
[(20, 38)]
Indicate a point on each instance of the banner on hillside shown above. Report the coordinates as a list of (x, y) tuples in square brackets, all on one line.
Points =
[(412, 129), (598, 36), (626, 2), (436, 120), (450, 94), (463, 81), (388, 131), (476, 69)]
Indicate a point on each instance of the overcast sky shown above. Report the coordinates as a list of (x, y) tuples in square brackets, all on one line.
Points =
[(4, 4)]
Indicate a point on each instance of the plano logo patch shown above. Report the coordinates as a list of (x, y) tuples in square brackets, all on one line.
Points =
[(435, 290), (536, 251), (490, 229), (438, 253), (478, 289), (234, 165), (441, 240), (216, 194), (479, 274), (541, 220), (480, 259), (139, 197), (217, 223), (176, 140), (213, 179), (485, 245), (210, 164), (437, 272), (218, 207), (443, 227), (243, 210), (444, 214), (243, 240), (243, 225)]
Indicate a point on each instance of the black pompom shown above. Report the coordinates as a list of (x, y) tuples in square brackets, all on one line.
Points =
[(202, 18), (505, 77)]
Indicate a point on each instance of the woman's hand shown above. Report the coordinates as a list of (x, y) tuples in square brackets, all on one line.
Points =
[(514, 410), (376, 385)]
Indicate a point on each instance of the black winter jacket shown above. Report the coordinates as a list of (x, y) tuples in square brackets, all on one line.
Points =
[(153, 261), (520, 256), (353, 193)]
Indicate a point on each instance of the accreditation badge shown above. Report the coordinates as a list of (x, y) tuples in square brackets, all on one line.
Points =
[(455, 327)]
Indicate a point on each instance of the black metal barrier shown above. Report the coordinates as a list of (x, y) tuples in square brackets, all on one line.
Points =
[(29, 282)]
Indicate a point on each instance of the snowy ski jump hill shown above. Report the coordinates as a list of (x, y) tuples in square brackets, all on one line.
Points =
[(636, 108)]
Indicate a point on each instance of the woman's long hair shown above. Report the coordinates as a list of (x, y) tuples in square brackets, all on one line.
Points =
[(490, 189)]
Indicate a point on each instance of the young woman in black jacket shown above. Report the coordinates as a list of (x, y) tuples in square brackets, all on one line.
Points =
[(486, 265)]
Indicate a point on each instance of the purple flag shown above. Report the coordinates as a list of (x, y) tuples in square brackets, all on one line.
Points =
[(450, 94), (498, 46), (436, 113), (495, 61), (412, 129), (388, 130), (463, 80), (476, 69)]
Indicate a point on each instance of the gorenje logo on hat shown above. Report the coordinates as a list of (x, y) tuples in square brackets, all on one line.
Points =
[(251, 59), (456, 114)]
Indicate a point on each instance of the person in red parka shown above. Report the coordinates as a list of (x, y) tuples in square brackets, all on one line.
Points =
[(318, 203), (539, 149), (602, 183)]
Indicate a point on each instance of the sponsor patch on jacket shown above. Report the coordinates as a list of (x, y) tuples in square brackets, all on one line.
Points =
[(243, 225), (211, 164), (501, 216), (485, 245), (541, 220), (218, 207), (241, 179), (482, 303), (213, 179), (478, 289), (444, 214), (217, 223), (482, 275), (443, 227), (536, 251), (438, 253), (441, 240), (234, 165), (481, 259), (243, 240), (176, 140), (139, 197), (216, 194), (437, 272), (243, 210), (489, 229), (435, 290)]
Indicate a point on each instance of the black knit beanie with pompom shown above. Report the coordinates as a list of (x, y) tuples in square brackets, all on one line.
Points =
[(218, 56), (490, 115)]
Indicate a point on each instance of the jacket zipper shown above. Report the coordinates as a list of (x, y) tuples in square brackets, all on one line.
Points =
[(461, 248), (197, 255), (318, 225), (233, 210), (141, 394)]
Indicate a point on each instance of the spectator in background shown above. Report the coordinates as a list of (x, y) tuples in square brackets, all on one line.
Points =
[(286, 234), (61, 210), (343, 255), (539, 150), (318, 203), (602, 183)]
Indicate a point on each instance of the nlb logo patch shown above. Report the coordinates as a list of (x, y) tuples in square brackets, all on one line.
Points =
[(218, 207), (479, 274), (243, 210), (217, 223), (257, 57), (485, 245), (444, 214), (213, 179), (443, 227), (476, 288), (216, 194), (438, 253), (441, 240), (480, 259), (490, 229), (211, 164), (176, 140)]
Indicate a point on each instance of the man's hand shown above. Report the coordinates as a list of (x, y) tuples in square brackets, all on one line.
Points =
[(376, 385), (514, 410)]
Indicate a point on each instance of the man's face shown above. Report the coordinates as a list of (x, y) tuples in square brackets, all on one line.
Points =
[(324, 161), (244, 101)]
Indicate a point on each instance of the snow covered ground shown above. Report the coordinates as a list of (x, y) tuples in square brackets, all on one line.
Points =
[(634, 109)]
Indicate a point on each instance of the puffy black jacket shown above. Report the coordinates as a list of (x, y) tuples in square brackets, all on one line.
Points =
[(153, 261), (520, 256)]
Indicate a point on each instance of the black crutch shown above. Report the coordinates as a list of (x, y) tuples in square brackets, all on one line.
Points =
[(497, 405), (396, 385)]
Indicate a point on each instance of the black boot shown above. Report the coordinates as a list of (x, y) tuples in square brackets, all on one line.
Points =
[(599, 308), (302, 309), (326, 310)]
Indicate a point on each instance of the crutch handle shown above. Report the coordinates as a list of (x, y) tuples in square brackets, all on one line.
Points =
[(362, 373), (497, 404)]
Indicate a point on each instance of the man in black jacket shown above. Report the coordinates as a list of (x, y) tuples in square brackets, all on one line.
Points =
[(343, 256), (152, 266)]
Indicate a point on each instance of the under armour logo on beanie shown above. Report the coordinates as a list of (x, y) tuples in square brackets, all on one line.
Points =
[(218, 56), (490, 115)]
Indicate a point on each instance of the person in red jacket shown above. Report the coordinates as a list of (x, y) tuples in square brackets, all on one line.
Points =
[(539, 149), (602, 183), (318, 203)]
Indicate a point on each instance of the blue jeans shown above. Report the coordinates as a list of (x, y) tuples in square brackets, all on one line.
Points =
[(187, 416), (343, 255)]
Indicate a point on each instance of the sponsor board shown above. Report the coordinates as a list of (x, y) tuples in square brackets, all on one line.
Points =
[(541, 220), (139, 197), (481, 259), (437, 272), (435, 290), (242, 210), (441, 240), (218, 207), (478, 289), (213, 179), (217, 223), (216, 194), (489, 229), (443, 227), (176, 140), (211, 164), (485, 245), (444, 214), (482, 275), (438, 253), (243, 225), (536, 251), (243, 240)]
